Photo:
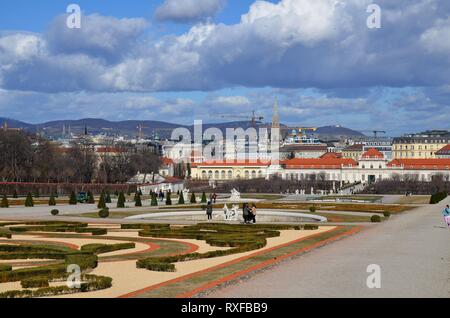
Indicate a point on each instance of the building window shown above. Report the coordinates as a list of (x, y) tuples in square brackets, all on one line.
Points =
[(230, 174), (223, 175)]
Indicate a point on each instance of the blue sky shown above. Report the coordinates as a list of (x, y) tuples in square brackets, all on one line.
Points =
[(180, 60)]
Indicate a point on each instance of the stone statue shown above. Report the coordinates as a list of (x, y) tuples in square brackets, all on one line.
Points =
[(235, 195), (230, 215), (186, 195)]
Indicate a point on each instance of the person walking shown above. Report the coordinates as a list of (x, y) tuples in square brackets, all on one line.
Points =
[(245, 213), (209, 210), (214, 197), (253, 213), (446, 213), (161, 195)]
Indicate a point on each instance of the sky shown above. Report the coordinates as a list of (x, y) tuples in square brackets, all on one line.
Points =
[(180, 60)]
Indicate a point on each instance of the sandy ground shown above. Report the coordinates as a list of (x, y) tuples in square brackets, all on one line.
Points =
[(127, 278)]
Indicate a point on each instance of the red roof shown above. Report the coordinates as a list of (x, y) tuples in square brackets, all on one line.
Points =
[(421, 164), (247, 163), (319, 163), (372, 153), (167, 161), (444, 151), (331, 155)]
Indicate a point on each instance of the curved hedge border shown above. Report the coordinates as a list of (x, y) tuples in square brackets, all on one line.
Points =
[(91, 283), (242, 238), (39, 277)]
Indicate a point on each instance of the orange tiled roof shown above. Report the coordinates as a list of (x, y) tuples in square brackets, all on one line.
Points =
[(331, 155), (417, 164), (319, 163), (372, 153), (444, 151), (167, 161)]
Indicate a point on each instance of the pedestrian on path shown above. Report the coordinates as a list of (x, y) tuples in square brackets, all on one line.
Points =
[(209, 210), (446, 213)]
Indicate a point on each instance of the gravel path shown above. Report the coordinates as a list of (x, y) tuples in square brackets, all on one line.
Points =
[(412, 249)]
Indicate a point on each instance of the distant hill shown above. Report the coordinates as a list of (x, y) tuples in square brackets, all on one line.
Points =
[(149, 127), (336, 132)]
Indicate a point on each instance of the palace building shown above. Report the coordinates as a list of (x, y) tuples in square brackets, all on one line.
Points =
[(371, 166)]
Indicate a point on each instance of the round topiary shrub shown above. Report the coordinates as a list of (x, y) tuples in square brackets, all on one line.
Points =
[(54, 212), (387, 214), (312, 209), (375, 219), (103, 213)]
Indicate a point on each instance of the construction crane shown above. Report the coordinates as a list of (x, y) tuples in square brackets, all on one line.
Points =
[(140, 129), (253, 119), (375, 132)]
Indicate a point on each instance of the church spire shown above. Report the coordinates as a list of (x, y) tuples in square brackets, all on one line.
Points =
[(276, 115)]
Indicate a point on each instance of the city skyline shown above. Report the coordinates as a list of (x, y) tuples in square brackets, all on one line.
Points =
[(175, 62)]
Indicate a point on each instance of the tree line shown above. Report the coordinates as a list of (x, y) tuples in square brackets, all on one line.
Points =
[(28, 158)]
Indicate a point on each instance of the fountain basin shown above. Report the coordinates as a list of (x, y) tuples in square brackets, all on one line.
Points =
[(262, 216)]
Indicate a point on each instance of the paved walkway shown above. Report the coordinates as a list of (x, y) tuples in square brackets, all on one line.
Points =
[(413, 250)]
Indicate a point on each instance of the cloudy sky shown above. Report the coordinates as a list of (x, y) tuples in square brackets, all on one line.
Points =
[(180, 60)]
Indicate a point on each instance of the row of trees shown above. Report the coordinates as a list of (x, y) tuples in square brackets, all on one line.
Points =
[(410, 184), (26, 158)]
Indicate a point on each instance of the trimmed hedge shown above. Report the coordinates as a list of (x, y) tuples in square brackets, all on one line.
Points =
[(92, 283), (104, 248), (375, 219), (438, 197), (103, 213), (387, 214), (54, 212), (92, 230), (35, 282), (5, 268), (240, 238), (6, 235)]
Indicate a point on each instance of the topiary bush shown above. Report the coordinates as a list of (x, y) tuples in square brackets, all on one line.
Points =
[(121, 200), (54, 212), (29, 201), (193, 198), (312, 209), (181, 198), (387, 214), (91, 199), (108, 198), (103, 213), (169, 198), (204, 200), (375, 219), (154, 200), (101, 202), (73, 199), (52, 201), (4, 203), (138, 201)]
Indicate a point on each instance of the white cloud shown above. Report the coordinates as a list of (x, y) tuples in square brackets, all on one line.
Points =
[(437, 38), (182, 11)]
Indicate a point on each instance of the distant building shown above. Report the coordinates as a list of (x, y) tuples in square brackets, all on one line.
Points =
[(353, 152), (167, 168), (419, 146), (155, 182), (292, 151), (444, 153), (220, 171)]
